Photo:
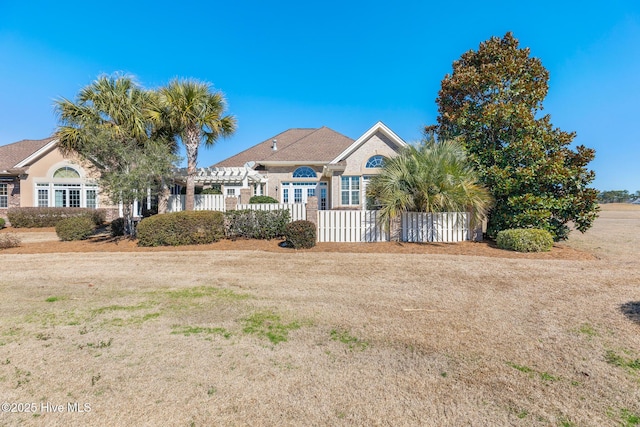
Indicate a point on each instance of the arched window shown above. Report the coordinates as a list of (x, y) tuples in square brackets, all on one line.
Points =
[(375, 162), (304, 172), (66, 172)]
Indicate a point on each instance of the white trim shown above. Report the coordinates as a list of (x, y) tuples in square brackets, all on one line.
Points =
[(378, 127), (51, 144), (293, 163)]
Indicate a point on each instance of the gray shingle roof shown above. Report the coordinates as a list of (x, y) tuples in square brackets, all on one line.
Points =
[(12, 154), (294, 145)]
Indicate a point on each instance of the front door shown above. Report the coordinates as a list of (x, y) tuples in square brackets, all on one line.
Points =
[(298, 192)]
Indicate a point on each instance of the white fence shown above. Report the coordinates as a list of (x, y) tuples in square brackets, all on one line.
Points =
[(298, 211), (203, 202), (365, 226), (435, 227), (350, 226)]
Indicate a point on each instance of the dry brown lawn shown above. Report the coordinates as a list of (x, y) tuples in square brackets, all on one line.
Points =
[(418, 336)]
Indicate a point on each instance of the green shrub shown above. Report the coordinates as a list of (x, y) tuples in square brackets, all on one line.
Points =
[(211, 191), (2, 222), (9, 240), (262, 199), (75, 228), (181, 228), (49, 217), (301, 234), (250, 224), (117, 227), (525, 240)]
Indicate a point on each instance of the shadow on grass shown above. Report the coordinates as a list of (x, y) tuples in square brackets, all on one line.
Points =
[(631, 309)]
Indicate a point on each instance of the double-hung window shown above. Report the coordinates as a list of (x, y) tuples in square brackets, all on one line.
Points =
[(350, 190), (4, 195)]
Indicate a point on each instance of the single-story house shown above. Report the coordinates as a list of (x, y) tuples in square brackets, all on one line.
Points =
[(34, 173), (299, 163)]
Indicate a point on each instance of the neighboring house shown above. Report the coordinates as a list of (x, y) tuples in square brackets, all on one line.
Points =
[(299, 163), (35, 173)]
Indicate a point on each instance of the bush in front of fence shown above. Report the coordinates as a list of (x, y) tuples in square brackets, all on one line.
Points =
[(250, 224), (181, 228), (301, 234), (75, 228), (49, 217), (525, 240), (262, 199)]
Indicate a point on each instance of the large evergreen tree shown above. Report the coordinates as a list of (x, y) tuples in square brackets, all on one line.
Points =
[(492, 102)]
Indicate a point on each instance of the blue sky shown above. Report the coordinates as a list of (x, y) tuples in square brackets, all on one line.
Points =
[(341, 64)]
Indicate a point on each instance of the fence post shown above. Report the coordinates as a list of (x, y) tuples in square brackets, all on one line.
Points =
[(312, 209), (245, 195), (395, 229), (230, 203)]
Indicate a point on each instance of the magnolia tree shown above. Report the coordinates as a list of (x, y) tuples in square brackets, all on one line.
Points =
[(492, 102)]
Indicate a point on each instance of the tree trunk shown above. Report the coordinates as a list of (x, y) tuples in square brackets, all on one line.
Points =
[(191, 142), (163, 198)]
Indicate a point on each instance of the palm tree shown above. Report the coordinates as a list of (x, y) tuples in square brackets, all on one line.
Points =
[(193, 114), (113, 103), (429, 177)]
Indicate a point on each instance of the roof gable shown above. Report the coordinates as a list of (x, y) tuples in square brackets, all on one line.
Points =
[(22, 153), (293, 146), (378, 127)]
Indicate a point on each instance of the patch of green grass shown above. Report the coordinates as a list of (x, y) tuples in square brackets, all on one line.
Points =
[(520, 368), (193, 330), (522, 414), (545, 376), (629, 419), (204, 291), (133, 320), (345, 337), (616, 360), (588, 330), (268, 324), (55, 298), (141, 306)]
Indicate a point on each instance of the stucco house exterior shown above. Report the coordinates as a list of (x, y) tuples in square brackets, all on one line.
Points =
[(299, 163), (34, 173)]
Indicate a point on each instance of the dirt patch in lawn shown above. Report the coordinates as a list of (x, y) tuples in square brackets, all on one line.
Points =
[(39, 240)]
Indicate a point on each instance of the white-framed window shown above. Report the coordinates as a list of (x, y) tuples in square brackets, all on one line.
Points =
[(4, 195), (231, 192), (350, 190), (304, 172), (63, 195), (376, 161), (66, 172)]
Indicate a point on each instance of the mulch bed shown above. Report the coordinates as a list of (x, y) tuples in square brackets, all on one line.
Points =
[(105, 243)]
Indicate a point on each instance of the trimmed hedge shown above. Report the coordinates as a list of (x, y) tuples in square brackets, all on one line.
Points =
[(2, 222), (49, 217), (301, 234), (9, 240), (525, 240), (181, 228), (75, 228), (250, 224), (262, 199)]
